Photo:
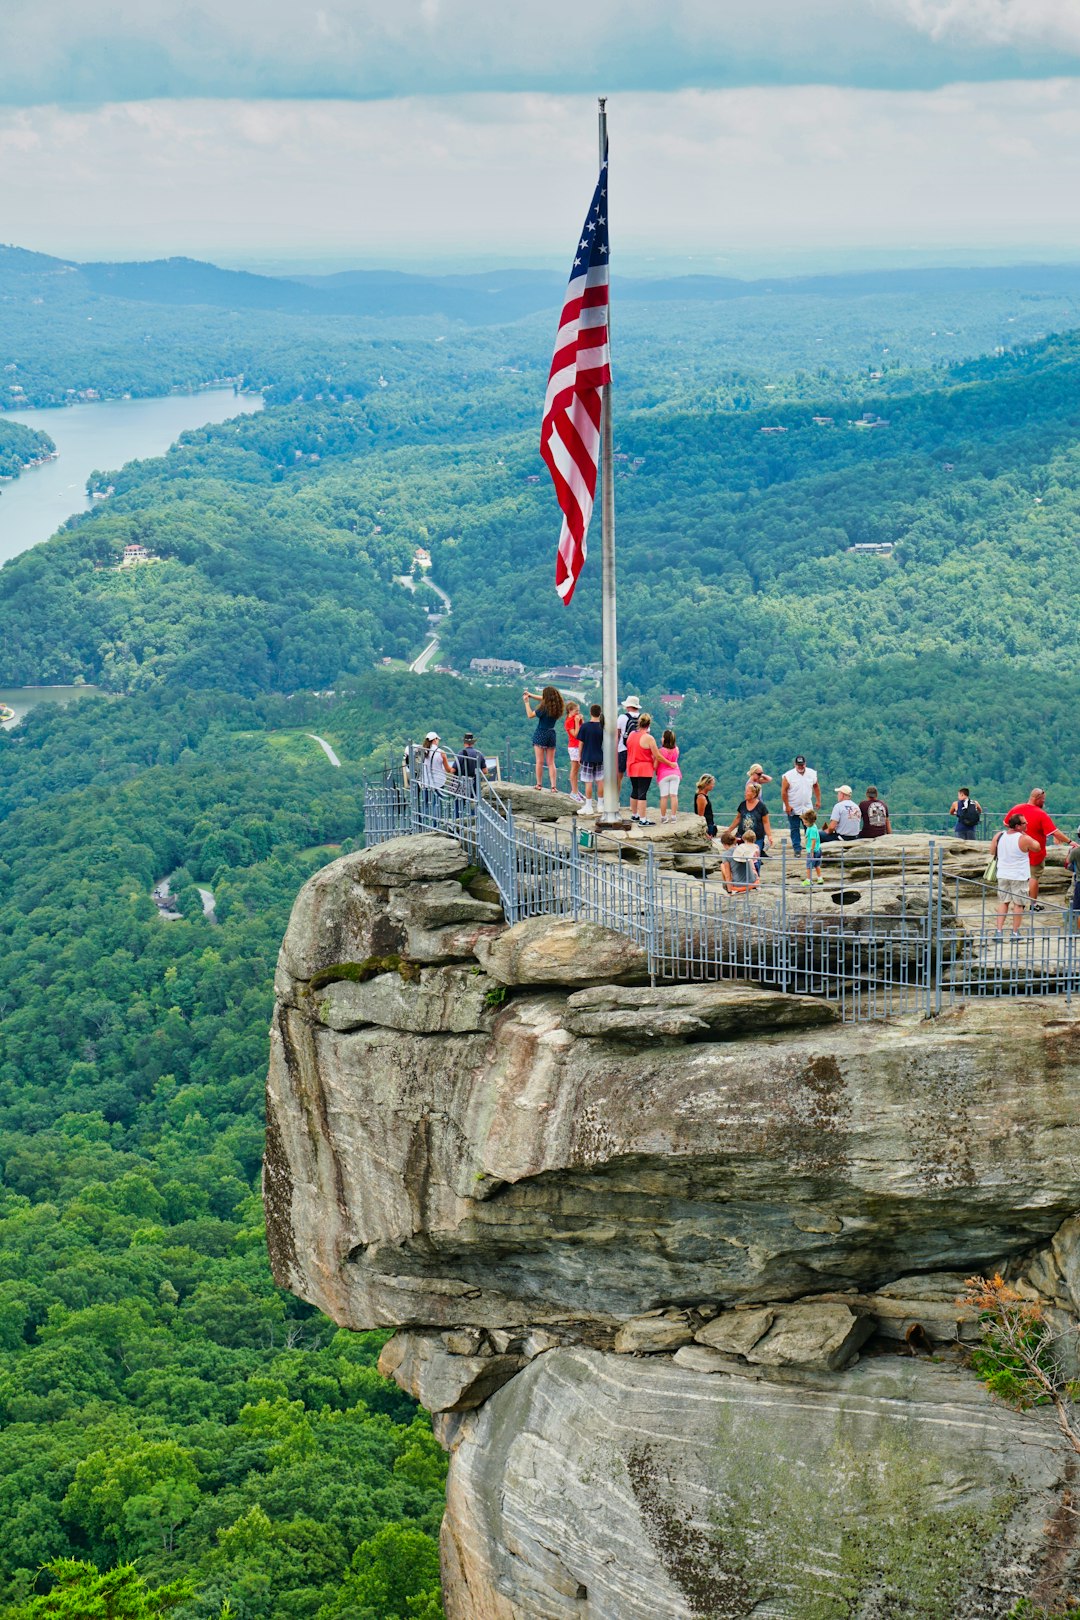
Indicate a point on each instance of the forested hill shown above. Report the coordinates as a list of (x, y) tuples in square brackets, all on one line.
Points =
[(21, 447), (280, 536), (69, 330)]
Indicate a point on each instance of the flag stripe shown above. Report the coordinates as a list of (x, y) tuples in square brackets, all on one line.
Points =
[(580, 367)]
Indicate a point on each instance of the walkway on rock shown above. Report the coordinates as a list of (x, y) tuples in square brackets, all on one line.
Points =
[(901, 925)]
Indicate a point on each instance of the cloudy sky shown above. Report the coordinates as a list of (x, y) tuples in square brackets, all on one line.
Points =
[(744, 133)]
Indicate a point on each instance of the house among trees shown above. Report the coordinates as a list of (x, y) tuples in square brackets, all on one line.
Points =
[(136, 554), (873, 548), (421, 557), (572, 672), (496, 666)]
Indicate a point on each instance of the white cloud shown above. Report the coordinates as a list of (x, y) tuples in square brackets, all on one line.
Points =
[(1001, 24), (694, 172), (69, 50)]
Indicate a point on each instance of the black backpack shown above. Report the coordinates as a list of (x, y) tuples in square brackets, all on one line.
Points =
[(969, 814)]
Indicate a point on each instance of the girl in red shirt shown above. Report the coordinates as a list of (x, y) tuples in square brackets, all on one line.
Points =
[(573, 726)]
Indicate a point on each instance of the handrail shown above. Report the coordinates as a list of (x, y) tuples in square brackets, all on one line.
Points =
[(881, 945)]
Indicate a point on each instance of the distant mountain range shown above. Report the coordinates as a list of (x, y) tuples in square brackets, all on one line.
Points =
[(491, 298)]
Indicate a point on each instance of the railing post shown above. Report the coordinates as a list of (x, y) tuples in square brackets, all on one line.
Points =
[(511, 868), (929, 934), (575, 869), (651, 902), (785, 980), (938, 951)]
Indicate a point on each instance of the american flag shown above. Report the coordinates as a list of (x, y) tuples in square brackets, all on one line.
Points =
[(570, 433)]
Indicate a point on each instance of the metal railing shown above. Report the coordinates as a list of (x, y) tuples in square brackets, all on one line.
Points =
[(911, 939)]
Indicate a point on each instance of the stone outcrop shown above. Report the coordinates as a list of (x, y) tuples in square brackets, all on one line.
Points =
[(678, 1269)]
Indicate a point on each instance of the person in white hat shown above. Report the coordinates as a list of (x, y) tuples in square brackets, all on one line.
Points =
[(845, 819), (436, 765), (626, 723)]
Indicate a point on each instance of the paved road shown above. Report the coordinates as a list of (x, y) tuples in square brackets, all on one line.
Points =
[(419, 665), (325, 746)]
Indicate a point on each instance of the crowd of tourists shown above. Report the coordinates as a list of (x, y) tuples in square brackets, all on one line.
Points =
[(1017, 852)]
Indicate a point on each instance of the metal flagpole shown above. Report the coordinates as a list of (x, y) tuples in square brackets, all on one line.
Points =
[(611, 812)]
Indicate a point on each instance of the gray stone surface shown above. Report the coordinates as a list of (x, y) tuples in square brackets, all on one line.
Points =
[(439, 999), (737, 1332), (644, 1335), (439, 905), (802, 1162), (813, 1333), (445, 1379), (417, 857), (506, 1181), (691, 1012), (557, 950), (616, 1488), (538, 804)]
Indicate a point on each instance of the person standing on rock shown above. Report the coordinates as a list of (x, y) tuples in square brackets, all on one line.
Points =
[(968, 813), (668, 776), (1013, 849), (472, 766), (624, 727), (436, 765), (591, 739), (752, 816), (799, 792), (642, 759), (550, 710), (572, 724), (703, 803), (875, 815), (757, 777), (1040, 826)]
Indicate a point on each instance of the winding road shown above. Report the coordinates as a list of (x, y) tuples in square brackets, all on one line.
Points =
[(420, 666)]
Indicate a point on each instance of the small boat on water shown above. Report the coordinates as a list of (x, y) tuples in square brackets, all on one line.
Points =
[(6, 714)]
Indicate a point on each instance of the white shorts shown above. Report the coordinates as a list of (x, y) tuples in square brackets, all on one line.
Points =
[(575, 752), (668, 785)]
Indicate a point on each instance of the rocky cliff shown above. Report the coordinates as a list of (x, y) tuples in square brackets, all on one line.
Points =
[(676, 1269)]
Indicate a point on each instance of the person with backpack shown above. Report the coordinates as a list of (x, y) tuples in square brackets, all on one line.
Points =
[(472, 766), (625, 725), (968, 813)]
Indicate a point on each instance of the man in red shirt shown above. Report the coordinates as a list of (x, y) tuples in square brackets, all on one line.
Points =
[(1040, 826)]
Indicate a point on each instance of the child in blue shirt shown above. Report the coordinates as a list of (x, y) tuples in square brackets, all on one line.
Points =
[(813, 849)]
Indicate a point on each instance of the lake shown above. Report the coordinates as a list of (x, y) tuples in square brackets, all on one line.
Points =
[(101, 436), (24, 698)]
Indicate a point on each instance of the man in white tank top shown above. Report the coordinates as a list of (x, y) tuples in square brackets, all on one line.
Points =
[(1013, 849)]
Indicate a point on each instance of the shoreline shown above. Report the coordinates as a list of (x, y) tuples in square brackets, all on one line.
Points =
[(217, 385)]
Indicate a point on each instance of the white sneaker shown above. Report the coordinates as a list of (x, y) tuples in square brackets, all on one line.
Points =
[(586, 809)]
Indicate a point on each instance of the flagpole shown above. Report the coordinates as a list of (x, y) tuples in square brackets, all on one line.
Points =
[(611, 812)]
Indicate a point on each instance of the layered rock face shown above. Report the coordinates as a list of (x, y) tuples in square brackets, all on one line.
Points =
[(678, 1268)]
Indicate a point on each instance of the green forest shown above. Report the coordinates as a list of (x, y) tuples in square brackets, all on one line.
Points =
[(21, 447), (162, 1404), (177, 1436)]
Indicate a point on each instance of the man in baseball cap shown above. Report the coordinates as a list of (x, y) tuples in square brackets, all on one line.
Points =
[(845, 820), (799, 792), (626, 722)]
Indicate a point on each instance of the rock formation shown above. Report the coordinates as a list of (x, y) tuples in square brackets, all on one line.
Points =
[(677, 1269)]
